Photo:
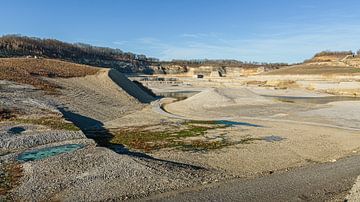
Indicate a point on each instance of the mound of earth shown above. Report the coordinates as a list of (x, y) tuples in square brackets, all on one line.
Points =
[(94, 99), (218, 97)]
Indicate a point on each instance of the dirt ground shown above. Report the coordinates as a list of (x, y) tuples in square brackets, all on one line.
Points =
[(141, 148), (304, 132)]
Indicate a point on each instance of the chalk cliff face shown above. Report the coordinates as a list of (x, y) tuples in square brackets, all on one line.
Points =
[(168, 68), (207, 70)]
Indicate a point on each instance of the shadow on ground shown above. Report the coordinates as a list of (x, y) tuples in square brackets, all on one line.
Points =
[(95, 130)]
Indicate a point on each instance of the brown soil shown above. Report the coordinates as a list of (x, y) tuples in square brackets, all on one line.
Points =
[(315, 69), (30, 71)]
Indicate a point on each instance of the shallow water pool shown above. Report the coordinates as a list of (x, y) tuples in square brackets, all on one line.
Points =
[(47, 152), (179, 95), (235, 123)]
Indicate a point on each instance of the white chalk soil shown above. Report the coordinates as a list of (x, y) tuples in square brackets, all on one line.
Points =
[(354, 194)]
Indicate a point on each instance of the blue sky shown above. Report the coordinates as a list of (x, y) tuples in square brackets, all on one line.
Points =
[(248, 30)]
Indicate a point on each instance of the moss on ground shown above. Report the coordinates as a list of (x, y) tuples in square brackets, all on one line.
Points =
[(146, 140), (56, 123)]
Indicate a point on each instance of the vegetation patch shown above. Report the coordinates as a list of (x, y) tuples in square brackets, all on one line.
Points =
[(316, 69), (179, 137), (10, 175), (56, 123)]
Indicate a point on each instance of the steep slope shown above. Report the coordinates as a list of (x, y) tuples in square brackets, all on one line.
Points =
[(92, 95), (102, 97), (130, 87)]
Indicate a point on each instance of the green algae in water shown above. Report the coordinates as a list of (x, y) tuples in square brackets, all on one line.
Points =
[(48, 152)]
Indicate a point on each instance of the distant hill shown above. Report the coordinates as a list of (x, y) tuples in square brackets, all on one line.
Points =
[(125, 62), (329, 56), (325, 63), (22, 46)]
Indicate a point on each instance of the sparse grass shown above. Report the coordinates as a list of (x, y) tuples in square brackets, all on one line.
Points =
[(9, 177), (200, 145), (55, 123), (142, 139), (315, 69), (30, 71)]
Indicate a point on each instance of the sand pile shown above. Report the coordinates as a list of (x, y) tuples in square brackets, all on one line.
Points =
[(219, 97), (105, 96), (130, 87)]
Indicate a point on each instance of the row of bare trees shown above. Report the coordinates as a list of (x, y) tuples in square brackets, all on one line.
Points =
[(20, 46), (221, 63), (334, 53)]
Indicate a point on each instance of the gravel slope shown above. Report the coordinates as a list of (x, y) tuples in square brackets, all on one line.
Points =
[(95, 99)]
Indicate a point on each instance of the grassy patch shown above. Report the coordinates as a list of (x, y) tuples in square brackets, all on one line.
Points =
[(55, 123), (199, 145), (146, 140), (9, 177)]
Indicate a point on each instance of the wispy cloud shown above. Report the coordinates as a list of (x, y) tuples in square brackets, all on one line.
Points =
[(199, 35), (120, 42), (277, 43)]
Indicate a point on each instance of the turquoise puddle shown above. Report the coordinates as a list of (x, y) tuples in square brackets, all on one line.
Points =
[(47, 152)]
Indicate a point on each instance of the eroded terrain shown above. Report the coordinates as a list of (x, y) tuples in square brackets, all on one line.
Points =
[(102, 137)]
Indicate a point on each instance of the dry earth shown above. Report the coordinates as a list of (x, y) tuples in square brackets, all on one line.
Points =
[(268, 124)]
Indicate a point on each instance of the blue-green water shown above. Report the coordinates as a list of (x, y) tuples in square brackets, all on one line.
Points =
[(47, 152), (236, 123)]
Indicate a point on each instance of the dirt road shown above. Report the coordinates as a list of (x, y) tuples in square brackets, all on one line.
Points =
[(318, 182)]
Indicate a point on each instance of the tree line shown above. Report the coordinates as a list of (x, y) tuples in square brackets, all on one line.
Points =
[(23, 46)]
